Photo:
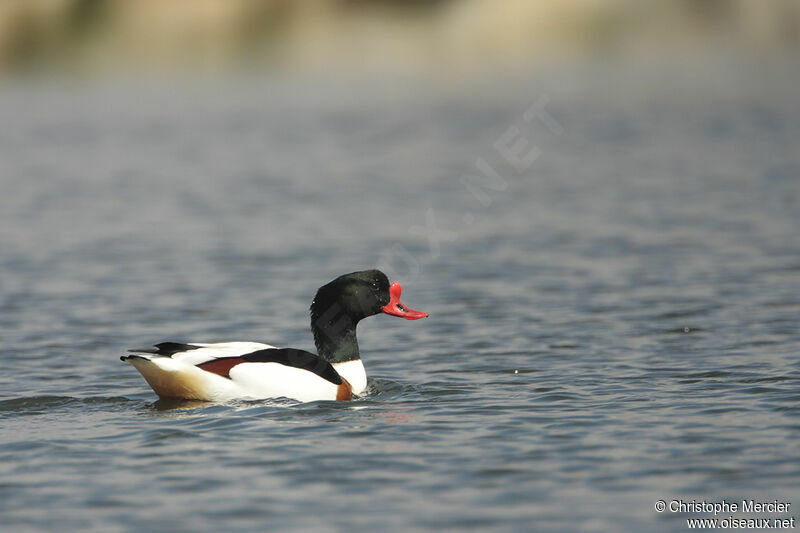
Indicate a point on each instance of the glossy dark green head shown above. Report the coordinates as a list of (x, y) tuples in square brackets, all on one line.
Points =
[(341, 304)]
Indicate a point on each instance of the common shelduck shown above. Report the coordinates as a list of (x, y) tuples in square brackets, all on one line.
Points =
[(252, 370)]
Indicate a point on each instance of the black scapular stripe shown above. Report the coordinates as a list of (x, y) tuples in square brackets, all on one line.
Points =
[(298, 359), (167, 349)]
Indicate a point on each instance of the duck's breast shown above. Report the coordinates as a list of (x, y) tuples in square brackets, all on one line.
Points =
[(354, 373)]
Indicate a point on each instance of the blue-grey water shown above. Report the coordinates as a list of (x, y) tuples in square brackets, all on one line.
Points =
[(614, 316)]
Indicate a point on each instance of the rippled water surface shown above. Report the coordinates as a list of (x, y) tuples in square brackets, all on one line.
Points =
[(614, 319)]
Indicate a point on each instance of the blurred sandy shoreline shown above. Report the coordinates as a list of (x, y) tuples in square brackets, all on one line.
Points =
[(96, 36)]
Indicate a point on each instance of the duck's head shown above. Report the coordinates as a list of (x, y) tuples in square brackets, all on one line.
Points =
[(361, 294), (339, 305)]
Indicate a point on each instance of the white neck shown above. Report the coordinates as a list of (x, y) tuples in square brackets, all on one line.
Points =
[(354, 373)]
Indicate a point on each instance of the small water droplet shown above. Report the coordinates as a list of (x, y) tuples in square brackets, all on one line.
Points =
[(686, 330), (516, 371)]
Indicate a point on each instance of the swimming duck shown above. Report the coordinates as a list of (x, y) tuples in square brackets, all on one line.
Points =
[(253, 370)]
